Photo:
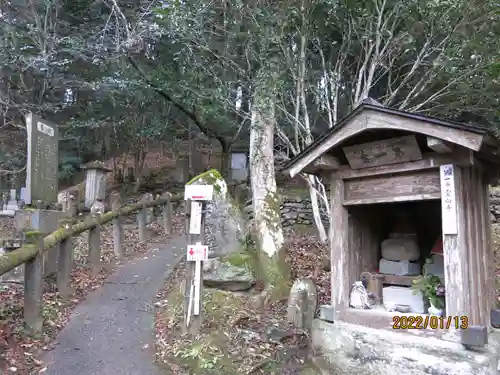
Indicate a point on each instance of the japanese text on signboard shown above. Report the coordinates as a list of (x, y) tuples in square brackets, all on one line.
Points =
[(448, 180), (448, 200)]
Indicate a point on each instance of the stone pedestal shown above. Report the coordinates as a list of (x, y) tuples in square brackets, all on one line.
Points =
[(44, 221), (95, 182), (6, 246), (12, 202), (343, 348)]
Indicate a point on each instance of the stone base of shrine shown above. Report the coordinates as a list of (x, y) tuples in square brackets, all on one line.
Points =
[(344, 348)]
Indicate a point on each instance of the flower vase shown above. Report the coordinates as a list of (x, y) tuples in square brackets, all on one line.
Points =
[(433, 310)]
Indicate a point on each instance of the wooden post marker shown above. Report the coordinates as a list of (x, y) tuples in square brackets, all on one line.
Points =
[(195, 195), (197, 254), (118, 249)]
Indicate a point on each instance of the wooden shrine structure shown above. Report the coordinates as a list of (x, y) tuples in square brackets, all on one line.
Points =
[(377, 155)]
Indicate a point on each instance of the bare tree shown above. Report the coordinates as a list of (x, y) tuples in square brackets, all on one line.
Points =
[(409, 54)]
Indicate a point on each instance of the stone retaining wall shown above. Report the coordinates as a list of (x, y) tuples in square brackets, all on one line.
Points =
[(298, 210)]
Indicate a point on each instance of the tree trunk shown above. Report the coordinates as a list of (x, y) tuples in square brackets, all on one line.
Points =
[(266, 205), (311, 182), (225, 162), (139, 159)]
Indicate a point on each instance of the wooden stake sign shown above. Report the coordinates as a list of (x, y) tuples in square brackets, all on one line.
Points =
[(196, 253), (195, 219)]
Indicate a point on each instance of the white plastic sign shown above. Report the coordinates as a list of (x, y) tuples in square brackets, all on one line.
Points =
[(199, 192), (195, 219), (197, 253)]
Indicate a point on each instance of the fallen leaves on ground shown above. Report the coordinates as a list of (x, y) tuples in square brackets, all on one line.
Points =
[(18, 349), (306, 256), (236, 337)]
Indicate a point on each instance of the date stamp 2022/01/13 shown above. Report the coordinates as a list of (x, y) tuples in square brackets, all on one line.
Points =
[(432, 322)]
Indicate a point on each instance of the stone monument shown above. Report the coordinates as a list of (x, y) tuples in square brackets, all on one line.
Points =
[(43, 160), (95, 182), (12, 202), (41, 184), (239, 167), (182, 170)]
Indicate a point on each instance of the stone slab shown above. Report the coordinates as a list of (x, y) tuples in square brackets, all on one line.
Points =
[(397, 295), (436, 267), (402, 268), (326, 313), (495, 318), (344, 348), (474, 336), (45, 221), (42, 161)]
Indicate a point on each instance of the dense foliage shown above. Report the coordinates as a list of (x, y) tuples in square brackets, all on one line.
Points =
[(118, 73)]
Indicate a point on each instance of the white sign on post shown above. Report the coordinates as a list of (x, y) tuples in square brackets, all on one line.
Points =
[(197, 253), (448, 199), (195, 219), (199, 192)]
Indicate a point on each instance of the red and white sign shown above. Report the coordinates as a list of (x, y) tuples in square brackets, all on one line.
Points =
[(197, 253), (199, 192)]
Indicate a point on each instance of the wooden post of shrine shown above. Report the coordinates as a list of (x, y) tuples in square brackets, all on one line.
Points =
[(195, 197)]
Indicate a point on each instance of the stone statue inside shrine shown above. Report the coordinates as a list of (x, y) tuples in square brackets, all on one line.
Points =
[(400, 251)]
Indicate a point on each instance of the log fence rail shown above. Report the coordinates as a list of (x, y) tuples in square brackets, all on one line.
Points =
[(34, 246)]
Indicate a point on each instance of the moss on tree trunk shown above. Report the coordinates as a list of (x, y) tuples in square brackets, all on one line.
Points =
[(275, 273)]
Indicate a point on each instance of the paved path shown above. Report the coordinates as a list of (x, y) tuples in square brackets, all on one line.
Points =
[(112, 331)]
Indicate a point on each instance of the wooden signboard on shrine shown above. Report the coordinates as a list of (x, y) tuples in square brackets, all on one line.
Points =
[(386, 151)]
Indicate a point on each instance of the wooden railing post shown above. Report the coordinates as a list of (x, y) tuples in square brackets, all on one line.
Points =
[(115, 200), (148, 197), (142, 218), (33, 291), (65, 264), (167, 213), (96, 210)]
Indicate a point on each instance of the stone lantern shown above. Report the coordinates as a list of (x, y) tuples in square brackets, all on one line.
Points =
[(95, 182)]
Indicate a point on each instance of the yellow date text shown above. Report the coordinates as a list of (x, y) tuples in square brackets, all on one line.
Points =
[(432, 322)]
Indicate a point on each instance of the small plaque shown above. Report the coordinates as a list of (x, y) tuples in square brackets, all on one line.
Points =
[(196, 253), (195, 218), (198, 192)]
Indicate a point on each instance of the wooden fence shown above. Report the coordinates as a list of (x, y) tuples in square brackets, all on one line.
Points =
[(32, 252)]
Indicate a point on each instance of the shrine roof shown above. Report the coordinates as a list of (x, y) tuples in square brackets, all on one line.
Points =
[(374, 117)]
